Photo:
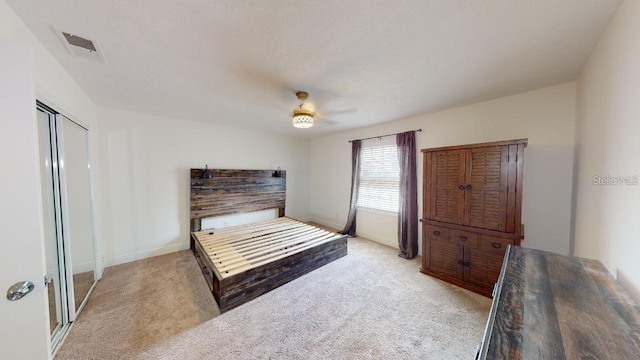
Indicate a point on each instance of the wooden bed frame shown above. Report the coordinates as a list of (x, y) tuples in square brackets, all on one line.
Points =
[(250, 264)]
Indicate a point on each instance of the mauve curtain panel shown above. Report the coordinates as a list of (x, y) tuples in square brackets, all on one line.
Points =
[(408, 207), (350, 227)]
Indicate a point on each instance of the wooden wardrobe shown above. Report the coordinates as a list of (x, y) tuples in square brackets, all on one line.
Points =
[(472, 200)]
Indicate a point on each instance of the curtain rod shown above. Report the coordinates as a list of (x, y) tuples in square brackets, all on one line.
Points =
[(381, 136)]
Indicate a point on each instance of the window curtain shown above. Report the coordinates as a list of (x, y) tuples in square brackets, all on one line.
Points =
[(350, 227), (408, 188)]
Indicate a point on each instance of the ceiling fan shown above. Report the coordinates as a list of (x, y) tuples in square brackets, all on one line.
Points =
[(273, 88), (304, 115)]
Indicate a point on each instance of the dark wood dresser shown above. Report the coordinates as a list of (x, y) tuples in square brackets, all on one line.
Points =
[(549, 306), (472, 200)]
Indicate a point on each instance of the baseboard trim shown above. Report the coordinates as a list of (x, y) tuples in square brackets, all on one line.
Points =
[(84, 267), (127, 258), (378, 239), (325, 222), (369, 236)]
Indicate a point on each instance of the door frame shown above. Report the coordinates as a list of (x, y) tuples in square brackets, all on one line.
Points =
[(70, 308)]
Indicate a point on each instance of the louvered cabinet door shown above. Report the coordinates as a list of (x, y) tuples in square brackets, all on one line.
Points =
[(445, 176), (444, 258), (482, 268), (486, 188)]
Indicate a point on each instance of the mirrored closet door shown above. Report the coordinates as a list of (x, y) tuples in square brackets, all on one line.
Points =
[(68, 219)]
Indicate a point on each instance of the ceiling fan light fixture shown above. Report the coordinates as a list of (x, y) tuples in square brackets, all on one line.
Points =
[(302, 118)]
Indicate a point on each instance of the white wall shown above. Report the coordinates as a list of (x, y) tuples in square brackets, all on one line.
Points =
[(145, 175), (53, 85), (546, 117), (607, 135)]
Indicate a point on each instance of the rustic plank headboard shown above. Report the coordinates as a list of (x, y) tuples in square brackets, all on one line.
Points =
[(235, 191)]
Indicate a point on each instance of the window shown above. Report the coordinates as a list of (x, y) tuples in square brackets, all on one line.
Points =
[(379, 178)]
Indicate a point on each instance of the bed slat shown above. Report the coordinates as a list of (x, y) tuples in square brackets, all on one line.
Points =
[(248, 245), (240, 248), (226, 263)]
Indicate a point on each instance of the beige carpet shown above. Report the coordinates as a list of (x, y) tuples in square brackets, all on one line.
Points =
[(370, 304)]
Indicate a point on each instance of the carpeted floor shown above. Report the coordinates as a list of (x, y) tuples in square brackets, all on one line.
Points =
[(370, 304)]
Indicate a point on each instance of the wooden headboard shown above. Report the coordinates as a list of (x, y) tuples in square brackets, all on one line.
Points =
[(235, 191)]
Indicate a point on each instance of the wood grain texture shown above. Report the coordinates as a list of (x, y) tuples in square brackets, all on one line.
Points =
[(492, 179), (466, 175), (426, 248), (426, 207), (559, 307), (248, 285), (243, 262), (443, 259), (506, 337), (476, 230), (234, 252), (519, 181), (484, 267), (495, 245), (236, 191), (485, 178), (471, 146), (464, 238), (504, 186), (480, 252), (448, 176), (482, 290), (471, 191), (541, 311), (438, 232)]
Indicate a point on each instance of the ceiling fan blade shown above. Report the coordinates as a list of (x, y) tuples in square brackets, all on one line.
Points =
[(338, 112), (334, 117), (323, 122)]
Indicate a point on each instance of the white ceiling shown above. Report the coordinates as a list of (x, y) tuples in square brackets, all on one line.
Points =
[(238, 63)]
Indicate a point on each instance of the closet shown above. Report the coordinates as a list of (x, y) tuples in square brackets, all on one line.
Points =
[(68, 217), (472, 200)]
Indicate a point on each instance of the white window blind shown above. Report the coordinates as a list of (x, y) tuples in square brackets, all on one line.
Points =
[(379, 178)]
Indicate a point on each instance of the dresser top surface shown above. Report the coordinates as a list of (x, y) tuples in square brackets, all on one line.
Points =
[(550, 306)]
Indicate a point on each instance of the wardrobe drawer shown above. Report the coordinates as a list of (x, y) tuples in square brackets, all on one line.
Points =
[(464, 238), (438, 233), (494, 245)]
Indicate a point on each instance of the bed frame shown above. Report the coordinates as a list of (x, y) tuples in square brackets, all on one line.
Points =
[(240, 191)]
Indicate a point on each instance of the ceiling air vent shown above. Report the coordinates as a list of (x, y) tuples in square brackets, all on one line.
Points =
[(79, 42), (81, 46)]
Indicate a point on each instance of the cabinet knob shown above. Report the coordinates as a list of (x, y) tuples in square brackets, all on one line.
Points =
[(496, 245), (436, 233), (461, 262), (468, 187), (463, 238), (466, 263), (461, 187)]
